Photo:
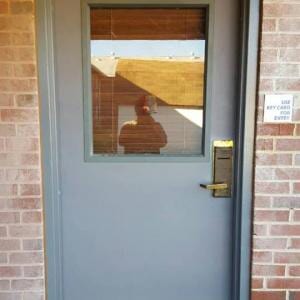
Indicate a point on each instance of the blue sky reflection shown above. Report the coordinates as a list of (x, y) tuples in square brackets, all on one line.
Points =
[(145, 48)]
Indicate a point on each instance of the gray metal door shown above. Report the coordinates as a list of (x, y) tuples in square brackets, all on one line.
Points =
[(140, 230)]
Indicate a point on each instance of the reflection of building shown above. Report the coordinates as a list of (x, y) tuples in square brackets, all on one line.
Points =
[(177, 83)]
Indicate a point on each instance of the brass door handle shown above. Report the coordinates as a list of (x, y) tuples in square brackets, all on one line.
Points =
[(215, 186)]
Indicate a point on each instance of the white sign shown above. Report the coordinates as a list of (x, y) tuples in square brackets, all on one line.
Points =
[(278, 108)]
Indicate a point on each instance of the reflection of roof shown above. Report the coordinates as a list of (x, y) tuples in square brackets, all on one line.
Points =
[(176, 81), (107, 66)]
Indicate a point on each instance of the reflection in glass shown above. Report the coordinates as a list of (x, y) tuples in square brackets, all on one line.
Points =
[(148, 80), (144, 134)]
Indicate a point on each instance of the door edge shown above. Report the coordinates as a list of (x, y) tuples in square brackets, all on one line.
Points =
[(244, 153), (243, 193), (49, 149)]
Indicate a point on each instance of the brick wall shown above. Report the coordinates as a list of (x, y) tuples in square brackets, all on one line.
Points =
[(21, 245), (276, 241)]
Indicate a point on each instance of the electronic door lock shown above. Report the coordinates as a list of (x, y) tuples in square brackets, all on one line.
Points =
[(222, 169)]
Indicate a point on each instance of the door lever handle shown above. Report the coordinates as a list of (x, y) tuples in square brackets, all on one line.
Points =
[(215, 186)]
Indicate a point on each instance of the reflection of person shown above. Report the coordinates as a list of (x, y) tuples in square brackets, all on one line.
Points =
[(143, 135)]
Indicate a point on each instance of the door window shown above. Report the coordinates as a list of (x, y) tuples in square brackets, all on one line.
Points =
[(147, 73)]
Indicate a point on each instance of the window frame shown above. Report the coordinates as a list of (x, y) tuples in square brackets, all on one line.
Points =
[(89, 155)]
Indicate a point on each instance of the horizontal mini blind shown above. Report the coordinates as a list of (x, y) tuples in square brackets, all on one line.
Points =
[(148, 24)]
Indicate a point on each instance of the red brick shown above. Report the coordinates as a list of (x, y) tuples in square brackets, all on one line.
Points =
[(19, 115), (21, 23), (20, 243), (5, 39), (3, 7), (25, 70), (295, 243), (297, 215), (256, 283), (29, 130), (287, 257), (30, 189), (26, 258), (283, 283), (271, 216), (259, 229), (264, 144), (286, 129), (33, 271), (24, 203), (6, 99), (6, 54), (288, 85), (289, 24), (296, 115), (294, 271), (9, 217), (11, 296), (287, 174), (33, 296), (4, 285), (278, 70), (23, 7), (3, 231), (272, 187), (271, 295), (285, 230), (4, 24), (29, 159), (9, 245), (8, 160), (298, 129), (21, 85), (2, 179), (294, 295), (24, 54), (265, 85), (264, 174), (3, 259), (269, 243), (33, 244), (268, 55), (23, 39), (23, 175), (280, 40), (286, 202), (32, 217), (268, 270), (7, 130), (27, 100), (25, 231), (262, 202), (275, 129), (261, 256), (10, 271), (8, 189), (6, 70), (296, 188), (289, 55), (259, 114), (273, 159), (269, 25), (27, 284), (288, 145), (281, 10), (22, 144)]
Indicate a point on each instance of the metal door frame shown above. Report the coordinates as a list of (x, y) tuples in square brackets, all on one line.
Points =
[(245, 116)]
